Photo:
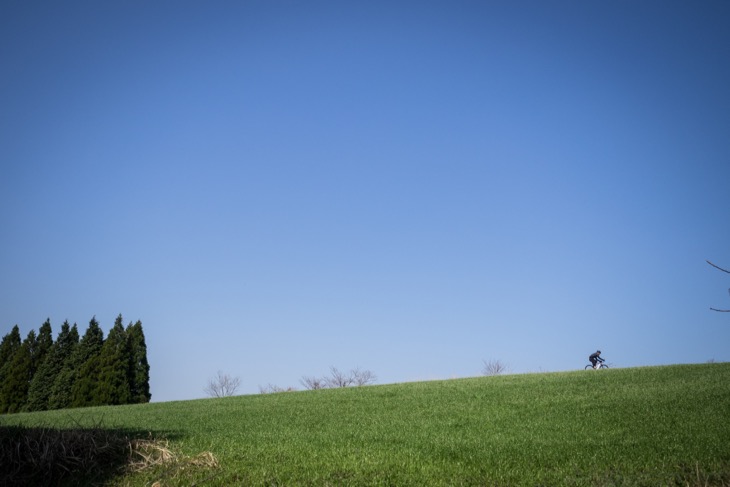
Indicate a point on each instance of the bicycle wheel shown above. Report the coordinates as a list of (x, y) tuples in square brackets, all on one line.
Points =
[(589, 366), (604, 366)]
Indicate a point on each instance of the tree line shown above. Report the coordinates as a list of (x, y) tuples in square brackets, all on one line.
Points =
[(38, 374)]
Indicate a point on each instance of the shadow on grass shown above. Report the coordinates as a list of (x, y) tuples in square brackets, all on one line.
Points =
[(79, 456)]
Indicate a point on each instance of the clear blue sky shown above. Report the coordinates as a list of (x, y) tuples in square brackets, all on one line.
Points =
[(275, 188)]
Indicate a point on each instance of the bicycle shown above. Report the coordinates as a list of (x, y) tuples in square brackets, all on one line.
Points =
[(600, 366)]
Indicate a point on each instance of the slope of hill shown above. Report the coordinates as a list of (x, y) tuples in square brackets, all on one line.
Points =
[(639, 426)]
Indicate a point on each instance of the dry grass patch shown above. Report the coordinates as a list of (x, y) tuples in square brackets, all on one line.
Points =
[(155, 456)]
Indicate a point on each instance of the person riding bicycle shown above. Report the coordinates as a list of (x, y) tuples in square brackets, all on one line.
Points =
[(595, 358)]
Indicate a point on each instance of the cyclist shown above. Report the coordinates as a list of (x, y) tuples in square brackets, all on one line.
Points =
[(595, 359)]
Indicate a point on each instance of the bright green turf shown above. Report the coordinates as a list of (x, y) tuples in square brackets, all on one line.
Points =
[(639, 426)]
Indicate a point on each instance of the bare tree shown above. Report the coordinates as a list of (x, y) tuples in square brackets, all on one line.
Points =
[(338, 379), (493, 367), (723, 270), (272, 389), (362, 377), (223, 385), (313, 383)]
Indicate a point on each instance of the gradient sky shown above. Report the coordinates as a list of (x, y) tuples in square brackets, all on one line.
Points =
[(277, 187)]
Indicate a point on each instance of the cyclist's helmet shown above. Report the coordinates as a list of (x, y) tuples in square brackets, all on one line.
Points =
[(598, 351)]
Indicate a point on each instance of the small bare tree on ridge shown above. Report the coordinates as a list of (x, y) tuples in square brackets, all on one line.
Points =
[(337, 378), (313, 383), (362, 377), (223, 385), (274, 389), (493, 367)]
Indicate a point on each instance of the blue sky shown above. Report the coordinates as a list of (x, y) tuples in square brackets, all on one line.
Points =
[(274, 188)]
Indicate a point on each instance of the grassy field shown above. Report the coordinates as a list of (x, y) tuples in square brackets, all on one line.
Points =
[(640, 426)]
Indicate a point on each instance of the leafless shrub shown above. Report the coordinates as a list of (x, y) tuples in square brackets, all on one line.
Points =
[(337, 379), (272, 389), (362, 377), (313, 383), (223, 385), (493, 367)]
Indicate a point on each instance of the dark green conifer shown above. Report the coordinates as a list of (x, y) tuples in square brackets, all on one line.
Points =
[(112, 386), (139, 367), (18, 372), (83, 392), (41, 387), (84, 366), (65, 375), (43, 346), (8, 346)]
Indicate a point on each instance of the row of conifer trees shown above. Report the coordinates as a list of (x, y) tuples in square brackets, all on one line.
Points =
[(39, 374)]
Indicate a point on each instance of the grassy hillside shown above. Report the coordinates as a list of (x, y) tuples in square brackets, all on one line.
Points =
[(640, 426)]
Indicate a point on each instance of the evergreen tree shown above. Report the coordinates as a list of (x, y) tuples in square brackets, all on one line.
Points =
[(139, 367), (8, 348), (112, 386), (41, 386), (65, 373), (43, 346), (9, 345), (17, 377), (38, 373), (83, 366), (83, 392)]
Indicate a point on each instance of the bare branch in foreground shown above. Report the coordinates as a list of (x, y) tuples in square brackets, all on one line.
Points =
[(723, 270), (717, 267)]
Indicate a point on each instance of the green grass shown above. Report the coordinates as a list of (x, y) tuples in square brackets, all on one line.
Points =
[(640, 426)]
